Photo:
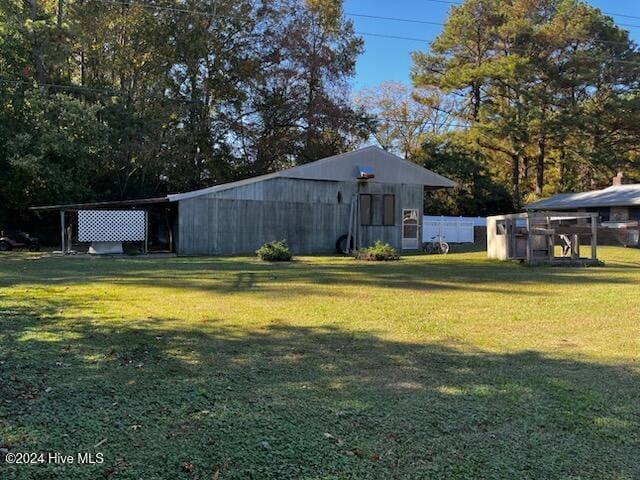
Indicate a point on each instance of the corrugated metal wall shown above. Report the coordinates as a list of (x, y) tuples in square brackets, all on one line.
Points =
[(309, 214)]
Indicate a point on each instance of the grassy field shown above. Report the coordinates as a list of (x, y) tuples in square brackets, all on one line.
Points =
[(326, 368)]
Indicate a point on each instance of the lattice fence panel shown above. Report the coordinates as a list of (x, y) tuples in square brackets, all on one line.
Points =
[(111, 225)]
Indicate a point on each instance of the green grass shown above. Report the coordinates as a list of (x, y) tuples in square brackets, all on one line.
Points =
[(326, 368)]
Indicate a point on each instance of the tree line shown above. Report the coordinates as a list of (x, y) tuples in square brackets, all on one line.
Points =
[(547, 91), (116, 99)]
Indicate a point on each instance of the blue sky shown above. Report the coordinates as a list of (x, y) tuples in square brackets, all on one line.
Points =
[(389, 59)]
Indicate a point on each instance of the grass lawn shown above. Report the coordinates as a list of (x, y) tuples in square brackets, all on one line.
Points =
[(432, 367)]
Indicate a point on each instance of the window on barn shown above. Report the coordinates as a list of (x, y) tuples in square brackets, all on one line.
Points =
[(366, 210), (501, 227), (389, 210), (604, 213), (634, 213)]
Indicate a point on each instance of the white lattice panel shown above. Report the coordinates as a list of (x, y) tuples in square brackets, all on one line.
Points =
[(111, 225)]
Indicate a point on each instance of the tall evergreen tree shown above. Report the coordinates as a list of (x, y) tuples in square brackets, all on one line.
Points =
[(536, 75)]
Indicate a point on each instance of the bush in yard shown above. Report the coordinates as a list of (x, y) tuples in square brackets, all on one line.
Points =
[(276, 251), (378, 252)]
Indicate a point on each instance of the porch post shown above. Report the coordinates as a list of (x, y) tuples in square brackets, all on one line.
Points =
[(594, 236), (146, 232), (62, 233)]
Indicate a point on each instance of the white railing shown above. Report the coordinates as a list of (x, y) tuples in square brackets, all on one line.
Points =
[(452, 229)]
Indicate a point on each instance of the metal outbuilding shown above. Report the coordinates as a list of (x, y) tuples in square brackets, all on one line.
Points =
[(368, 195), (365, 195)]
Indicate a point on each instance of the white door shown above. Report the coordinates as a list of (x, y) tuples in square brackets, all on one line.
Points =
[(410, 227)]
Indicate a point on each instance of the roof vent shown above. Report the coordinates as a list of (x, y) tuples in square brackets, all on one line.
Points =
[(365, 172)]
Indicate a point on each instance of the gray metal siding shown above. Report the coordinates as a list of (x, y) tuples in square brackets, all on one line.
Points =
[(407, 196), (241, 226), (291, 190), (306, 213)]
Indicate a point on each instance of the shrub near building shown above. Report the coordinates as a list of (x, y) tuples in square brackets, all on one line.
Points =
[(378, 252), (276, 251)]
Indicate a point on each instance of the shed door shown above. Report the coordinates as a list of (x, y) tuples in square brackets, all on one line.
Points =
[(410, 227)]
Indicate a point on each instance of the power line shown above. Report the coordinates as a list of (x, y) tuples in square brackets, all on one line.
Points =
[(371, 34), (395, 37), (416, 39), (410, 20), (450, 2), (350, 14), (395, 19), (444, 1), (424, 122), (210, 14), (622, 15)]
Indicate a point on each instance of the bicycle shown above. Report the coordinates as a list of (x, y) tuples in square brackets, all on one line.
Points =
[(437, 245)]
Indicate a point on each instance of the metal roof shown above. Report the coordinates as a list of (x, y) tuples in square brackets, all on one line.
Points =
[(615, 196), (388, 168), (98, 205)]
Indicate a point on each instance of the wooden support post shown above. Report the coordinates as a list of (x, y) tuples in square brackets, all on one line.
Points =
[(594, 236), (551, 248), (69, 239), (575, 247), (356, 223), (62, 232), (350, 231), (529, 246), (512, 251), (146, 232)]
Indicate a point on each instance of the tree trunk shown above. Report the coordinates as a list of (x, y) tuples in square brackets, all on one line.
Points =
[(515, 177), (540, 165), (37, 48), (562, 172), (60, 13), (476, 101), (82, 69)]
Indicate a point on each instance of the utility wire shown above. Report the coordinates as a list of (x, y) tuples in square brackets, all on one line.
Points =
[(370, 34), (210, 14), (410, 20), (350, 14), (395, 19), (395, 37), (450, 2), (622, 15), (416, 39)]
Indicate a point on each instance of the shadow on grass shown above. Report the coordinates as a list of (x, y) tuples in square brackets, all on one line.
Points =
[(292, 402), (232, 275)]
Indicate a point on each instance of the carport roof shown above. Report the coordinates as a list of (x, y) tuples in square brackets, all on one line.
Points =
[(104, 205), (615, 196)]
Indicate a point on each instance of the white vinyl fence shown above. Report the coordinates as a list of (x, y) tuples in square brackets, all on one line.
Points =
[(452, 229)]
